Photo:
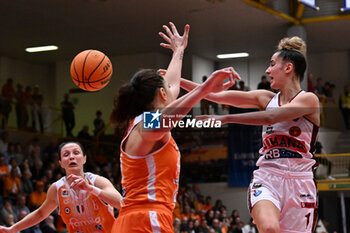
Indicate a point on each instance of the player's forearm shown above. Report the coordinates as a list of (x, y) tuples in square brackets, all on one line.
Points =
[(173, 73), (28, 221), (250, 118), (111, 197), (180, 107)]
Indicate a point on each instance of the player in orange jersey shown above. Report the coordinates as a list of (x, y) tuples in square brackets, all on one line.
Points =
[(81, 197), (150, 158)]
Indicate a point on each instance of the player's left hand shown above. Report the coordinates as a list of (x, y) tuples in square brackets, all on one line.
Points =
[(175, 41)]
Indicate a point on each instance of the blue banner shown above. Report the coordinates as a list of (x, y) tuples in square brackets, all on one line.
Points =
[(346, 5), (243, 146)]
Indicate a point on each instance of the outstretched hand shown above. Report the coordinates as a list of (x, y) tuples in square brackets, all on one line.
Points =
[(215, 83), (175, 41)]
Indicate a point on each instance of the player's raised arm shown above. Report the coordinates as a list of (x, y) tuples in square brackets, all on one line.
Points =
[(177, 44)]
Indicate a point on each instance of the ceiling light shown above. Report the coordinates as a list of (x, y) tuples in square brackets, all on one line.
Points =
[(232, 55), (41, 48)]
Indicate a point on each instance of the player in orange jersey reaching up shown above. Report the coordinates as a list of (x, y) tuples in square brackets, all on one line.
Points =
[(150, 158), (81, 197)]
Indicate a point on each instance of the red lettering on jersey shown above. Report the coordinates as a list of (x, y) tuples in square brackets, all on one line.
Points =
[(274, 141)]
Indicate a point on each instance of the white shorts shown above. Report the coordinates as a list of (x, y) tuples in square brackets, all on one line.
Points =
[(293, 193)]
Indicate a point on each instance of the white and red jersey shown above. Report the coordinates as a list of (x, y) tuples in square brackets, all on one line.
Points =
[(288, 145), (150, 179), (82, 211)]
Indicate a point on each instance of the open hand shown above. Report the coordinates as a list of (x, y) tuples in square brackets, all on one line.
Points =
[(215, 83), (175, 41)]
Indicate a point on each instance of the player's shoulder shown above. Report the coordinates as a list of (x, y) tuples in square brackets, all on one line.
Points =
[(308, 98)]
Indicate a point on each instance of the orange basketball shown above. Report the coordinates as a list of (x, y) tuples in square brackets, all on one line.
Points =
[(91, 70)]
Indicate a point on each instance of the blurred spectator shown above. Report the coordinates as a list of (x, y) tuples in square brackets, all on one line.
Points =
[(177, 225), (99, 124), (7, 94), (319, 86), (21, 109), (6, 210), (207, 206), (204, 227), (38, 196), (12, 185), (250, 228), (264, 84), (9, 220), (4, 169), (28, 102), (21, 206), (344, 105), (48, 225), (10, 153), (310, 85), (216, 225), (84, 133), (27, 186), (14, 165), (68, 115), (18, 153), (51, 148), (37, 170), (37, 116), (242, 86), (4, 141)]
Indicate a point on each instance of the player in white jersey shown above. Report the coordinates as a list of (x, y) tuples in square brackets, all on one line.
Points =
[(81, 197), (282, 195)]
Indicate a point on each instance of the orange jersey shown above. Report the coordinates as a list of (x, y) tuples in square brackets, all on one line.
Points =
[(153, 178), (83, 212)]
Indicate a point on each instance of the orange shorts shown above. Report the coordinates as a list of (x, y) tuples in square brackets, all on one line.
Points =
[(144, 219)]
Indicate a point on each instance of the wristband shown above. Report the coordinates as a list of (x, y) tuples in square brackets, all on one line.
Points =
[(96, 191)]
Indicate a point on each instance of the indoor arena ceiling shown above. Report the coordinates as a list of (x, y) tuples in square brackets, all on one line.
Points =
[(131, 26)]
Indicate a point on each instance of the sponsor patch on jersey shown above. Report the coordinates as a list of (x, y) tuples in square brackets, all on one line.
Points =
[(281, 153), (256, 192), (295, 131), (99, 227), (67, 210), (256, 185), (65, 193), (310, 205), (269, 130)]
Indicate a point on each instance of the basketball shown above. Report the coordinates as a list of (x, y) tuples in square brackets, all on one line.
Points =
[(91, 70)]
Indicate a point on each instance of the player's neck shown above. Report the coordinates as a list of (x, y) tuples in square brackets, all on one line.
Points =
[(77, 173), (289, 92)]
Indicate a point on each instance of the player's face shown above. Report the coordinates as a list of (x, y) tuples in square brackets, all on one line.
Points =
[(275, 71), (72, 157)]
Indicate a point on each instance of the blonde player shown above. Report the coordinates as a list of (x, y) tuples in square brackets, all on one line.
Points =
[(81, 197), (150, 158), (282, 195)]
